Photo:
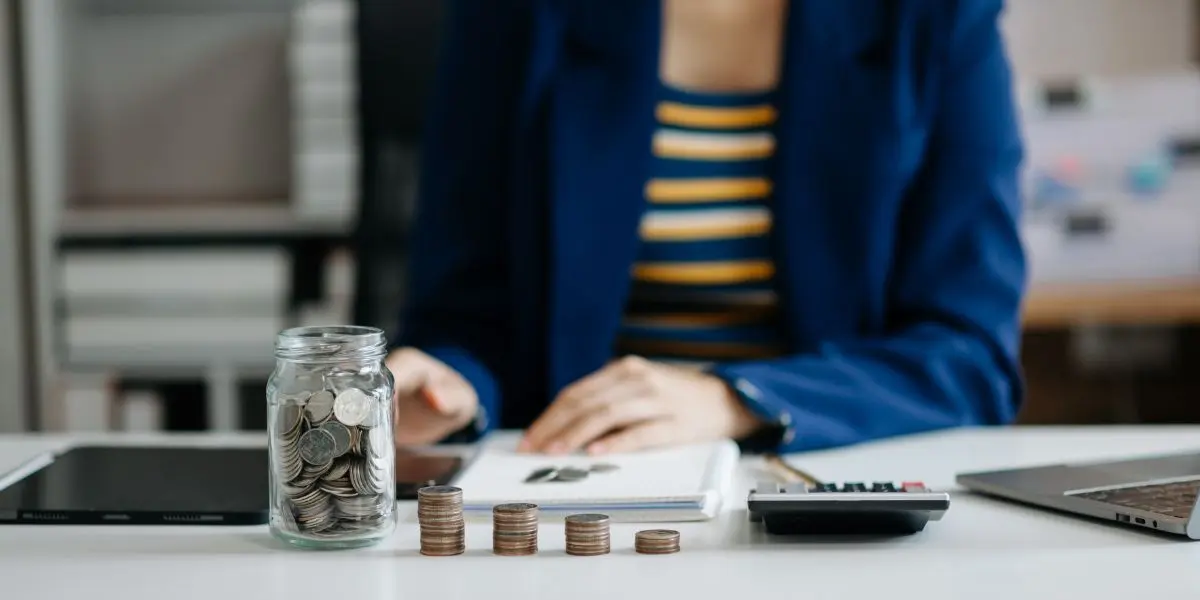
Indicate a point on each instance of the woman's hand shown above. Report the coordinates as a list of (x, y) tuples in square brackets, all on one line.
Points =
[(432, 400), (633, 404)]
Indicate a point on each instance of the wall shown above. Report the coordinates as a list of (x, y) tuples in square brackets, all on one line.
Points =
[(1049, 38)]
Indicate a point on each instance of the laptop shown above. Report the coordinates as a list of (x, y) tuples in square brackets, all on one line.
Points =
[(1155, 492)]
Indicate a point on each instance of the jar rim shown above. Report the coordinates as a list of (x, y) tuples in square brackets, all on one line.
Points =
[(320, 343), (308, 331)]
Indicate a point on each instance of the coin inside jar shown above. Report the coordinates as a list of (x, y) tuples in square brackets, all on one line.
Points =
[(319, 407), (341, 437), (317, 447), (351, 407), (287, 419)]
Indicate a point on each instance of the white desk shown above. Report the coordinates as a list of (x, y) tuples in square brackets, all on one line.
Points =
[(981, 549)]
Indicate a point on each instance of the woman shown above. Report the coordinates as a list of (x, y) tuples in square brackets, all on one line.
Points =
[(645, 223)]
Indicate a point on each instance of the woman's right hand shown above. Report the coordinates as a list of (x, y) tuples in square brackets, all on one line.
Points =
[(432, 400)]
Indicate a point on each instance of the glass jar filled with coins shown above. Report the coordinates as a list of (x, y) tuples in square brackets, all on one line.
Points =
[(331, 442)]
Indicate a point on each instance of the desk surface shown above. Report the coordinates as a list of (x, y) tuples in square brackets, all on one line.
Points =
[(981, 549)]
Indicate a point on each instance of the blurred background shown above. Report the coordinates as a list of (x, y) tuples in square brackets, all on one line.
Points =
[(180, 179)]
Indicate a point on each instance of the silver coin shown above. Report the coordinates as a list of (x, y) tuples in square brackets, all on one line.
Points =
[(352, 407), (314, 472), (542, 475), (319, 407), (338, 487), (603, 468), (340, 468), (291, 465), (341, 437), (287, 516), (360, 479), (362, 506), (317, 447), (379, 442), (374, 417), (570, 474), (287, 419), (293, 490), (591, 518)]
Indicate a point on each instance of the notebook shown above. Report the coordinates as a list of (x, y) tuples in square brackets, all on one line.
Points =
[(685, 483)]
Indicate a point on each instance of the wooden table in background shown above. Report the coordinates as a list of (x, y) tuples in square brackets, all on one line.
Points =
[(1159, 302)]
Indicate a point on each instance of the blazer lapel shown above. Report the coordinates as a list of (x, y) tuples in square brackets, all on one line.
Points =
[(602, 117)]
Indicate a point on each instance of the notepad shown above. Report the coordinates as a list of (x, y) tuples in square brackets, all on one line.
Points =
[(685, 483)]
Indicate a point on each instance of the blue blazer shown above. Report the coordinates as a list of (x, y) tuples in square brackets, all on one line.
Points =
[(896, 203)]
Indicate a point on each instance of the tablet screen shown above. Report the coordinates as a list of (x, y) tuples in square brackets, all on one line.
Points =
[(142, 481)]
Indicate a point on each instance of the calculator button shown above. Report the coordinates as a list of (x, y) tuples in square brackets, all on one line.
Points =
[(883, 486), (825, 487), (913, 486), (854, 487)]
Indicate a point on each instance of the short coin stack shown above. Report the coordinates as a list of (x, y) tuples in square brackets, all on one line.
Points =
[(440, 514), (587, 535), (332, 469), (515, 529), (656, 541)]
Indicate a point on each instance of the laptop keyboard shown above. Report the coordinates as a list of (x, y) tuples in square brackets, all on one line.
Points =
[(1171, 499)]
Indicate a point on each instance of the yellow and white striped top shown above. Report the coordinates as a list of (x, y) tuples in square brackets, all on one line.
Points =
[(703, 284)]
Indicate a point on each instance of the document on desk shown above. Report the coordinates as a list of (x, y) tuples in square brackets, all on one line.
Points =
[(686, 483)]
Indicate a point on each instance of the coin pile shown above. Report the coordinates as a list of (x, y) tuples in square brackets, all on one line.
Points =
[(656, 541), (333, 471), (440, 514), (515, 529), (587, 535)]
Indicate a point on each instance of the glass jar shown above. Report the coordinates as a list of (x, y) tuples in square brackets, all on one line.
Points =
[(331, 442)]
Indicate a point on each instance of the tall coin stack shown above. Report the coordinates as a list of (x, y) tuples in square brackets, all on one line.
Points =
[(332, 469), (515, 529), (440, 514), (656, 541), (587, 535)]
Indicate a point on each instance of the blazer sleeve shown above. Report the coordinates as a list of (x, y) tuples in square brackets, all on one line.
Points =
[(457, 286), (950, 354)]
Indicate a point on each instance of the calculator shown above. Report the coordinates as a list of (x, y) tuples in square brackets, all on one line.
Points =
[(880, 508)]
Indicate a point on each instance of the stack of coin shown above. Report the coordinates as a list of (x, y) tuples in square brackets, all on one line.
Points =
[(656, 541), (587, 535), (440, 514), (515, 529), (332, 471)]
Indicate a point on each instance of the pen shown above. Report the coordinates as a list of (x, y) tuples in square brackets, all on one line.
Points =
[(781, 466)]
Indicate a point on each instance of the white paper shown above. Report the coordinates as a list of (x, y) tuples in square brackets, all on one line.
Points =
[(685, 482)]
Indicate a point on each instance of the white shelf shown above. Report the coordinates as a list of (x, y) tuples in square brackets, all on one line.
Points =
[(273, 220)]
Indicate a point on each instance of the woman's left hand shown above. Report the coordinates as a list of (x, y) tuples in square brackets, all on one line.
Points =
[(633, 404)]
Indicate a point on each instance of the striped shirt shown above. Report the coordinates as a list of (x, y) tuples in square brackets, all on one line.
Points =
[(703, 283)]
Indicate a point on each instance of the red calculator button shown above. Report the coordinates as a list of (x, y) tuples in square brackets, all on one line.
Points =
[(913, 486)]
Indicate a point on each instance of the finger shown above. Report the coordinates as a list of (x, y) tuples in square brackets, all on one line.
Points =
[(609, 383), (614, 415), (567, 405), (448, 395), (648, 434), (410, 370)]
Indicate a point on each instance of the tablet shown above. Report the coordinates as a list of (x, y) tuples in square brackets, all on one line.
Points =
[(139, 485)]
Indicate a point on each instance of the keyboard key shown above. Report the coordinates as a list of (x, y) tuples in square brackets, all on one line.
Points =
[(854, 487), (826, 487), (883, 486)]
